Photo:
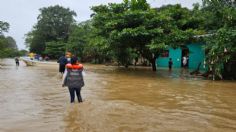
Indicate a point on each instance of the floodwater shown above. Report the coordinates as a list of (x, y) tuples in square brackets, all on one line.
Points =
[(115, 100)]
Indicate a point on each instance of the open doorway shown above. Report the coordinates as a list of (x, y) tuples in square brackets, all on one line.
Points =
[(185, 57)]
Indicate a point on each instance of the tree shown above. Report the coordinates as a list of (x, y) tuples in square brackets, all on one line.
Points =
[(219, 13), (11, 43), (84, 43), (4, 26), (220, 17), (219, 3), (221, 51), (54, 24), (22, 53), (55, 49), (98, 50), (79, 38), (132, 28), (8, 47), (36, 42)]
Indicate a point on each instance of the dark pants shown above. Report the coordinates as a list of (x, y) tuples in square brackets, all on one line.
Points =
[(72, 94), (17, 63), (62, 68)]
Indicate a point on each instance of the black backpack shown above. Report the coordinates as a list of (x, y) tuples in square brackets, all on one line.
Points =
[(74, 78)]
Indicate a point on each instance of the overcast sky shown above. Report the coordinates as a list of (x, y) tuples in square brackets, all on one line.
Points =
[(22, 14)]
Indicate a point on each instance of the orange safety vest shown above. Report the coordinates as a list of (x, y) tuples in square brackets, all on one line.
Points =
[(77, 66), (74, 77)]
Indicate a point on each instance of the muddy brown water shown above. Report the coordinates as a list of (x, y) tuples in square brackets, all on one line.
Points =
[(116, 100)]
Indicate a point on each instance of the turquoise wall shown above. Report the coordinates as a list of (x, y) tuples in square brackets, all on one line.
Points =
[(175, 54), (196, 55)]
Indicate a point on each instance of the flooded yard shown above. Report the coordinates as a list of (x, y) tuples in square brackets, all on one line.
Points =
[(115, 100)]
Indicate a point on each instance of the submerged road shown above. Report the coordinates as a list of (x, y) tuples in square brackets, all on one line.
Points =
[(116, 100)]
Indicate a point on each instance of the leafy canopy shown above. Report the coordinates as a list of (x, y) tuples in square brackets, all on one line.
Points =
[(54, 24), (132, 28)]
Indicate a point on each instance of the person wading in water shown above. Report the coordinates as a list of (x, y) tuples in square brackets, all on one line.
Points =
[(73, 79), (62, 64), (17, 61), (170, 63)]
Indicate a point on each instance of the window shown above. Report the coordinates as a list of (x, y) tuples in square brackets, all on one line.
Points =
[(165, 53)]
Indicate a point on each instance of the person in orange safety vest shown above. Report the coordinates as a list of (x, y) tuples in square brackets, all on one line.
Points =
[(73, 79)]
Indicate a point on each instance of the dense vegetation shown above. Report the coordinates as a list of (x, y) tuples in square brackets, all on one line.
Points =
[(8, 47), (221, 45), (50, 34), (132, 29)]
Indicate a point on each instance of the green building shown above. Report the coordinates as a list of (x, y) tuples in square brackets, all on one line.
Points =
[(194, 51)]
